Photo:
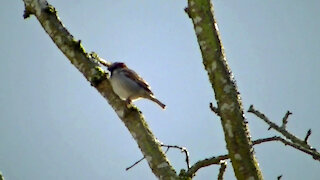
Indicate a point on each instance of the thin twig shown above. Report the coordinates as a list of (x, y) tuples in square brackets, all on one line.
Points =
[(167, 150), (214, 109), (307, 136), (135, 164), (279, 177), (263, 140), (222, 170), (183, 149), (285, 120), (313, 153)]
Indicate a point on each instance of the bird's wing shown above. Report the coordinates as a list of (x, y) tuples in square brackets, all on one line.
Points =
[(133, 75)]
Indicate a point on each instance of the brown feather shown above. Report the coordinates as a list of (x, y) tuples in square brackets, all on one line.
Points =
[(138, 80)]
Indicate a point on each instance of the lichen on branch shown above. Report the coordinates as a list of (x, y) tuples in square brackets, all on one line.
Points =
[(226, 94), (89, 66)]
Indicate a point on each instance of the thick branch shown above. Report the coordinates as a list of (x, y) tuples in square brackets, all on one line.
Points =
[(90, 68), (227, 96)]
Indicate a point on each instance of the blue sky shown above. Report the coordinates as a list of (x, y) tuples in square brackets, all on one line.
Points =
[(55, 125)]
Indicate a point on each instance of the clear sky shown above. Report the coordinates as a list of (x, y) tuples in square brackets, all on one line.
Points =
[(54, 125)]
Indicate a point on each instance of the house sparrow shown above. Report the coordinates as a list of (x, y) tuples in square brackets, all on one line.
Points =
[(128, 85)]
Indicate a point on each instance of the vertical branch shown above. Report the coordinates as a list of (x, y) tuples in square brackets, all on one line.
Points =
[(230, 107), (222, 169)]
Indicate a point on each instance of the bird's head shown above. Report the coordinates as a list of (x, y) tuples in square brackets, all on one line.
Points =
[(116, 65)]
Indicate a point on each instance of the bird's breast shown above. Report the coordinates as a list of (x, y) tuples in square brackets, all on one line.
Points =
[(124, 87)]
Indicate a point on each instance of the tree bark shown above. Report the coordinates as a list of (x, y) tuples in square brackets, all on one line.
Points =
[(227, 96), (90, 68)]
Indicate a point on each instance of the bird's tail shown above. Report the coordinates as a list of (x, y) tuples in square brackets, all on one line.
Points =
[(163, 106)]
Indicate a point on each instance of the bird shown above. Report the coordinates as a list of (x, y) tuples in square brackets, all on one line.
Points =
[(129, 86)]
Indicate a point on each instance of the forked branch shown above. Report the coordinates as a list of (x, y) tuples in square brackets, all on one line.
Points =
[(293, 140)]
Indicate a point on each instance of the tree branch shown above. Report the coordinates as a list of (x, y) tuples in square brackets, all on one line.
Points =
[(296, 142), (89, 66), (285, 119), (182, 149), (307, 136), (206, 162), (222, 169), (218, 160), (214, 109), (137, 162), (313, 153), (230, 108)]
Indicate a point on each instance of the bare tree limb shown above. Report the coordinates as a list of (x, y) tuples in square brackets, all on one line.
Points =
[(285, 120), (228, 98), (218, 160), (276, 127), (307, 136), (313, 153), (206, 162), (89, 66), (183, 150), (295, 141), (137, 162), (222, 169), (279, 177)]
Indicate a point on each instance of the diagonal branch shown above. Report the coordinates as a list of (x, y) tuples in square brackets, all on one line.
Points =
[(313, 153), (137, 162), (90, 68), (296, 142)]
